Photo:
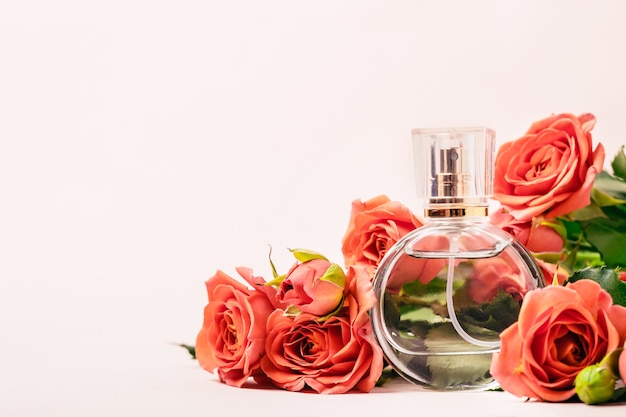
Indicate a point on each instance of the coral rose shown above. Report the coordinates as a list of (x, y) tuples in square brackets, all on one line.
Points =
[(375, 226), (550, 170), (314, 287), (232, 338), (536, 236), (560, 331), (491, 275), (331, 356), (408, 268)]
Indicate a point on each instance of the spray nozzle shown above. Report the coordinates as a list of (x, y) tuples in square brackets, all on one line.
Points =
[(451, 174), (454, 166)]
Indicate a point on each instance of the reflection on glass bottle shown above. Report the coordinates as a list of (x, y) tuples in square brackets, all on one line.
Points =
[(446, 290)]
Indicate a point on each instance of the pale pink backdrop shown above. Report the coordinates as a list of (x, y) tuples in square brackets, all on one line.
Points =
[(145, 144)]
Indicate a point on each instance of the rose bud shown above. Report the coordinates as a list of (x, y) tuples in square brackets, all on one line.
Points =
[(314, 285), (595, 384)]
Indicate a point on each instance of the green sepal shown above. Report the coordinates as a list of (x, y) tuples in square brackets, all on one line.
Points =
[(550, 257), (619, 164), (305, 255), (334, 312), (607, 278), (292, 311), (335, 274), (557, 226), (276, 281), (269, 256), (611, 361)]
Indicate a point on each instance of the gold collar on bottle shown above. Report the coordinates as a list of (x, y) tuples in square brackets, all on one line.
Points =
[(456, 212)]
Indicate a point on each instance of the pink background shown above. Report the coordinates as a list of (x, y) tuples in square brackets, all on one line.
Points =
[(145, 144)]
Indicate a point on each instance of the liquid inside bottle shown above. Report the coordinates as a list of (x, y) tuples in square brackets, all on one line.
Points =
[(446, 290)]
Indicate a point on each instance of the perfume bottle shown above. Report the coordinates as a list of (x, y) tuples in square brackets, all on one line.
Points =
[(447, 289)]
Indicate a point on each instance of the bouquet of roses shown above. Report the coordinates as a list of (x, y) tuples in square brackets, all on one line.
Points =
[(309, 327), (557, 200), (306, 328)]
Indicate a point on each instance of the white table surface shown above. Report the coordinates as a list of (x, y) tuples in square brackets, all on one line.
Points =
[(166, 382)]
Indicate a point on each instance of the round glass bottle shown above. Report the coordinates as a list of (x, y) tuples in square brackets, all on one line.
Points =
[(446, 290)]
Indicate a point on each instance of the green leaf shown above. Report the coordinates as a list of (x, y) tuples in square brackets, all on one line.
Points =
[(589, 212), (433, 292), (436, 285), (570, 261), (448, 370), (391, 311), (190, 348), (421, 314), (335, 274), (573, 230), (608, 236), (608, 190), (619, 395), (579, 252), (305, 255), (607, 278), (619, 164), (496, 315), (387, 375), (586, 259), (602, 199)]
